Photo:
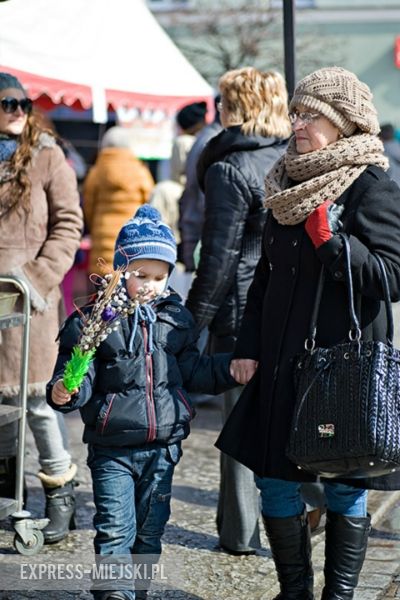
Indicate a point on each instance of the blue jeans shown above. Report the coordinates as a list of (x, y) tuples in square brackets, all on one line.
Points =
[(281, 498), (132, 494)]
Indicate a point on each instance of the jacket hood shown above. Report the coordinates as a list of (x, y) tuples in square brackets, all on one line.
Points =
[(227, 142), (115, 167)]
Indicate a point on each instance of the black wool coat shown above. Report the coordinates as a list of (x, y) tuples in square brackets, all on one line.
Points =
[(231, 171), (278, 311)]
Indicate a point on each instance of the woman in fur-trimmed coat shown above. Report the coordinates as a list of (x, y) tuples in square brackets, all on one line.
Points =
[(40, 230)]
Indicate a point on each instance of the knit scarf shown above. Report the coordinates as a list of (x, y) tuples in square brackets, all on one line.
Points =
[(318, 176), (8, 146)]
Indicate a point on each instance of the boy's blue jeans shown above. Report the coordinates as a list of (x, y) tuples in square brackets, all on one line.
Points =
[(281, 498), (132, 494)]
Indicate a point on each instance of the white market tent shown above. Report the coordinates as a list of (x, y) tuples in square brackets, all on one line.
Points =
[(96, 53)]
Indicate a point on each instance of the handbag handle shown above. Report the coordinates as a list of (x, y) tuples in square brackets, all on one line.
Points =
[(355, 331), (388, 304)]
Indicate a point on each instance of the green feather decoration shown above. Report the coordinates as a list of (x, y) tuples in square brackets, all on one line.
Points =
[(77, 367)]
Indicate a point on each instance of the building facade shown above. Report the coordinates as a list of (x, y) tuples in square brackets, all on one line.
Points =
[(360, 35)]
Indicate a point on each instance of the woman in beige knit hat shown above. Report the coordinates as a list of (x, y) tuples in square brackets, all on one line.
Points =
[(334, 168)]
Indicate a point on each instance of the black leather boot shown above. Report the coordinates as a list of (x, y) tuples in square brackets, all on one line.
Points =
[(290, 543), (60, 504), (346, 540), (60, 509)]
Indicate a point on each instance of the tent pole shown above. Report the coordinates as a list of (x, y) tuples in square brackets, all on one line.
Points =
[(289, 44)]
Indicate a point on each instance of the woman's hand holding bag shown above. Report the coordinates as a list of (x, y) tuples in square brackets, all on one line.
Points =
[(347, 415), (323, 222)]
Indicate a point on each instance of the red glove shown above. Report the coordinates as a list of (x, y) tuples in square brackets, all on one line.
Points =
[(324, 222)]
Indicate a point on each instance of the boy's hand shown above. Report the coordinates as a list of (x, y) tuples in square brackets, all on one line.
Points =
[(243, 369), (60, 395)]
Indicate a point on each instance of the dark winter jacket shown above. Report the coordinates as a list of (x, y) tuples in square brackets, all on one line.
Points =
[(131, 396), (191, 203), (231, 170), (278, 311)]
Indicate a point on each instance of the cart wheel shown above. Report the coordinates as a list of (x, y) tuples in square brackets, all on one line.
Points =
[(33, 546)]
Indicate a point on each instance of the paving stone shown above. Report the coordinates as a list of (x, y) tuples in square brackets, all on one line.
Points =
[(191, 540)]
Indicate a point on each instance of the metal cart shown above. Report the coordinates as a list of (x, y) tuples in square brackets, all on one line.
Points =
[(28, 539)]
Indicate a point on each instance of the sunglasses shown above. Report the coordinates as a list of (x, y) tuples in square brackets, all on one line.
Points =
[(10, 105)]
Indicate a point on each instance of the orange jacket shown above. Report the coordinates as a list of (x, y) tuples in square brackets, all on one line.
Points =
[(114, 188)]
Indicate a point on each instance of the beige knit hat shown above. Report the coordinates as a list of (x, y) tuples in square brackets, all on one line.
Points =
[(341, 97)]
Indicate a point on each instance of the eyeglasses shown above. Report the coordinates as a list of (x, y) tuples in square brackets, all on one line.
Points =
[(10, 105), (305, 117)]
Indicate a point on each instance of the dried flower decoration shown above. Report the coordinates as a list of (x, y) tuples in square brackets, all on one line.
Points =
[(112, 303)]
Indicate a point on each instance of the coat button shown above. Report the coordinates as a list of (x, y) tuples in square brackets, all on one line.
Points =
[(271, 240), (294, 243), (338, 274), (293, 270)]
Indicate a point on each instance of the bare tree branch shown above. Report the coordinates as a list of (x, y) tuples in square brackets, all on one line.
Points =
[(227, 34)]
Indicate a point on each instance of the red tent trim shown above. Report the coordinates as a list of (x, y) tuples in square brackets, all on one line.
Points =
[(48, 92)]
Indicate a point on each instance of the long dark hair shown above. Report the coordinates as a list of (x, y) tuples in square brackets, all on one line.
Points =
[(20, 185)]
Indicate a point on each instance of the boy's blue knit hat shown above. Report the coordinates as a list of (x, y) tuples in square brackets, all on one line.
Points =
[(145, 236)]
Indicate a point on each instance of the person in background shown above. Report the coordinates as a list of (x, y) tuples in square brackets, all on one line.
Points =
[(392, 151), (115, 187), (40, 230), (330, 182), (150, 360), (166, 194), (190, 120), (231, 171), (191, 203)]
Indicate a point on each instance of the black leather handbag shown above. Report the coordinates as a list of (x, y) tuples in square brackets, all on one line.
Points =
[(347, 416)]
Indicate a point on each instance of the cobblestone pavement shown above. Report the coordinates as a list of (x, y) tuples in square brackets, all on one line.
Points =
[(190, 540)]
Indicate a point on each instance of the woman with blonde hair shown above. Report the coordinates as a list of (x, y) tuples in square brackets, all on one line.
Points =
[(231, 171)]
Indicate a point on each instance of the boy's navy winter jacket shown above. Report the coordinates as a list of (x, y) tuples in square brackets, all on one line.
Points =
[(132, 396)]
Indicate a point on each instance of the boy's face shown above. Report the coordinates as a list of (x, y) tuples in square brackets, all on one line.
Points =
[(147, 273)]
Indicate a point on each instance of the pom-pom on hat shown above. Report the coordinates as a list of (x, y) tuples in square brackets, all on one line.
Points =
[(145, 236), (191, 114), (9, 81), (341, 97)]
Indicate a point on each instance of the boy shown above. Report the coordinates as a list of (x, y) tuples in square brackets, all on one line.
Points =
[(133, 400)]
